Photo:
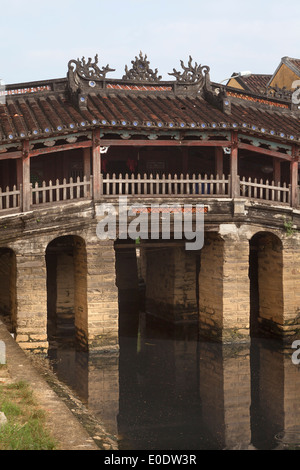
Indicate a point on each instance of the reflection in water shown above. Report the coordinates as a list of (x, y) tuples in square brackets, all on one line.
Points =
[(169, 390)]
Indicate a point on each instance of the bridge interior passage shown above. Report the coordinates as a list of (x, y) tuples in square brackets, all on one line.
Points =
[(147, 170)]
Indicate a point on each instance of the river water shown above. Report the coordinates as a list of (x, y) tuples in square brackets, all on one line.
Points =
[(170, 390)]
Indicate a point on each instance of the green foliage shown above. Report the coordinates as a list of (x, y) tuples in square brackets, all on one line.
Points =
[(288, 225), (25, 429)]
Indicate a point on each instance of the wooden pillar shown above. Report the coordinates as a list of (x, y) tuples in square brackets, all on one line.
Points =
[(294, 181), (219, 161), (276, 170), (26, 192), (87, 163), (235, 190), (96, 165)]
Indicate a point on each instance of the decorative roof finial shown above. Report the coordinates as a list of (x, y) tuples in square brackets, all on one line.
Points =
[(192, 74), (89, 70), (141, 71)]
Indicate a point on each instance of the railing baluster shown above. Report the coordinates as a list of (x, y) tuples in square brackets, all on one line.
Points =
[(272, 191), (64, 189), (163, 184), (14, 196), (194, 184), (85, 187), (255, 189), (217, 185), (71, 189), (267, 191), (169, 184), (7, 198), (181, 188), (139, 188), (157, 192), (57, 191), (78, 189), (120, 185)]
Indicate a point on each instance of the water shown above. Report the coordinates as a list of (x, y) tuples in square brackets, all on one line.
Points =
[(168, 390)]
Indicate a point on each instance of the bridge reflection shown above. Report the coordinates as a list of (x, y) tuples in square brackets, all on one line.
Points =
[(171, 390)]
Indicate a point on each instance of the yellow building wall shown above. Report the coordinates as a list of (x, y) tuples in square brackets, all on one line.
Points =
[(235, 84), (284, 78)]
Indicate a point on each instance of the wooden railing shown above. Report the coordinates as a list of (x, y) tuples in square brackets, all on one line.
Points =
[(165, 185), (268, 191), (58, 192), (146, 186), (11, 199)]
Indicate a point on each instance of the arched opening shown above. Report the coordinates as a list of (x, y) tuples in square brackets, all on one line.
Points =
[(266, 295), (8, 302), (67, 292), (266, 320)]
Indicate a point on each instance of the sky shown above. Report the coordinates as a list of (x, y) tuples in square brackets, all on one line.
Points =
[(38, 38)]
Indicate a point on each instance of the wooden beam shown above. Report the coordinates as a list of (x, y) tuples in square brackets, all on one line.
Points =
[(96, 165), (235, 192), (61, 148), (10, 155), (164, 143), (263, 151)]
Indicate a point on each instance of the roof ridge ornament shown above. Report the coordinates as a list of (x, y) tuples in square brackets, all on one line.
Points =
[(141, 71), (89, 70), (83, 76), (192, 74)]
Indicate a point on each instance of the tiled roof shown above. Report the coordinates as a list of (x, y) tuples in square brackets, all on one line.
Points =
[(53, 113), (295, 63), (256, 82), (45, 109)]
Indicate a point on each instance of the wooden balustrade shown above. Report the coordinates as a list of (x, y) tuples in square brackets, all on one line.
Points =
[(146, 186), (11, 199), (165, 185), (268, 191), (57, 192)]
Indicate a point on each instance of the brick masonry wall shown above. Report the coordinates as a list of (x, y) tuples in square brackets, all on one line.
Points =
[(211, 286), (236, 289), (171, 284)]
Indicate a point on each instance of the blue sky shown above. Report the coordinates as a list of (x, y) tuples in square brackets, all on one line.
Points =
[(38, 38)]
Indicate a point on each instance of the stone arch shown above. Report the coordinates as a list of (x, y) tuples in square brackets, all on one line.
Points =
[(66, 262), (266, 284), (8, 294)]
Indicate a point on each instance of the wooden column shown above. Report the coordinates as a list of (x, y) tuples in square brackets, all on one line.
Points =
[(26, 192), (294, 177), (87, 163), (219, 161), (276, 170), (235, 190), (96, 165)]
